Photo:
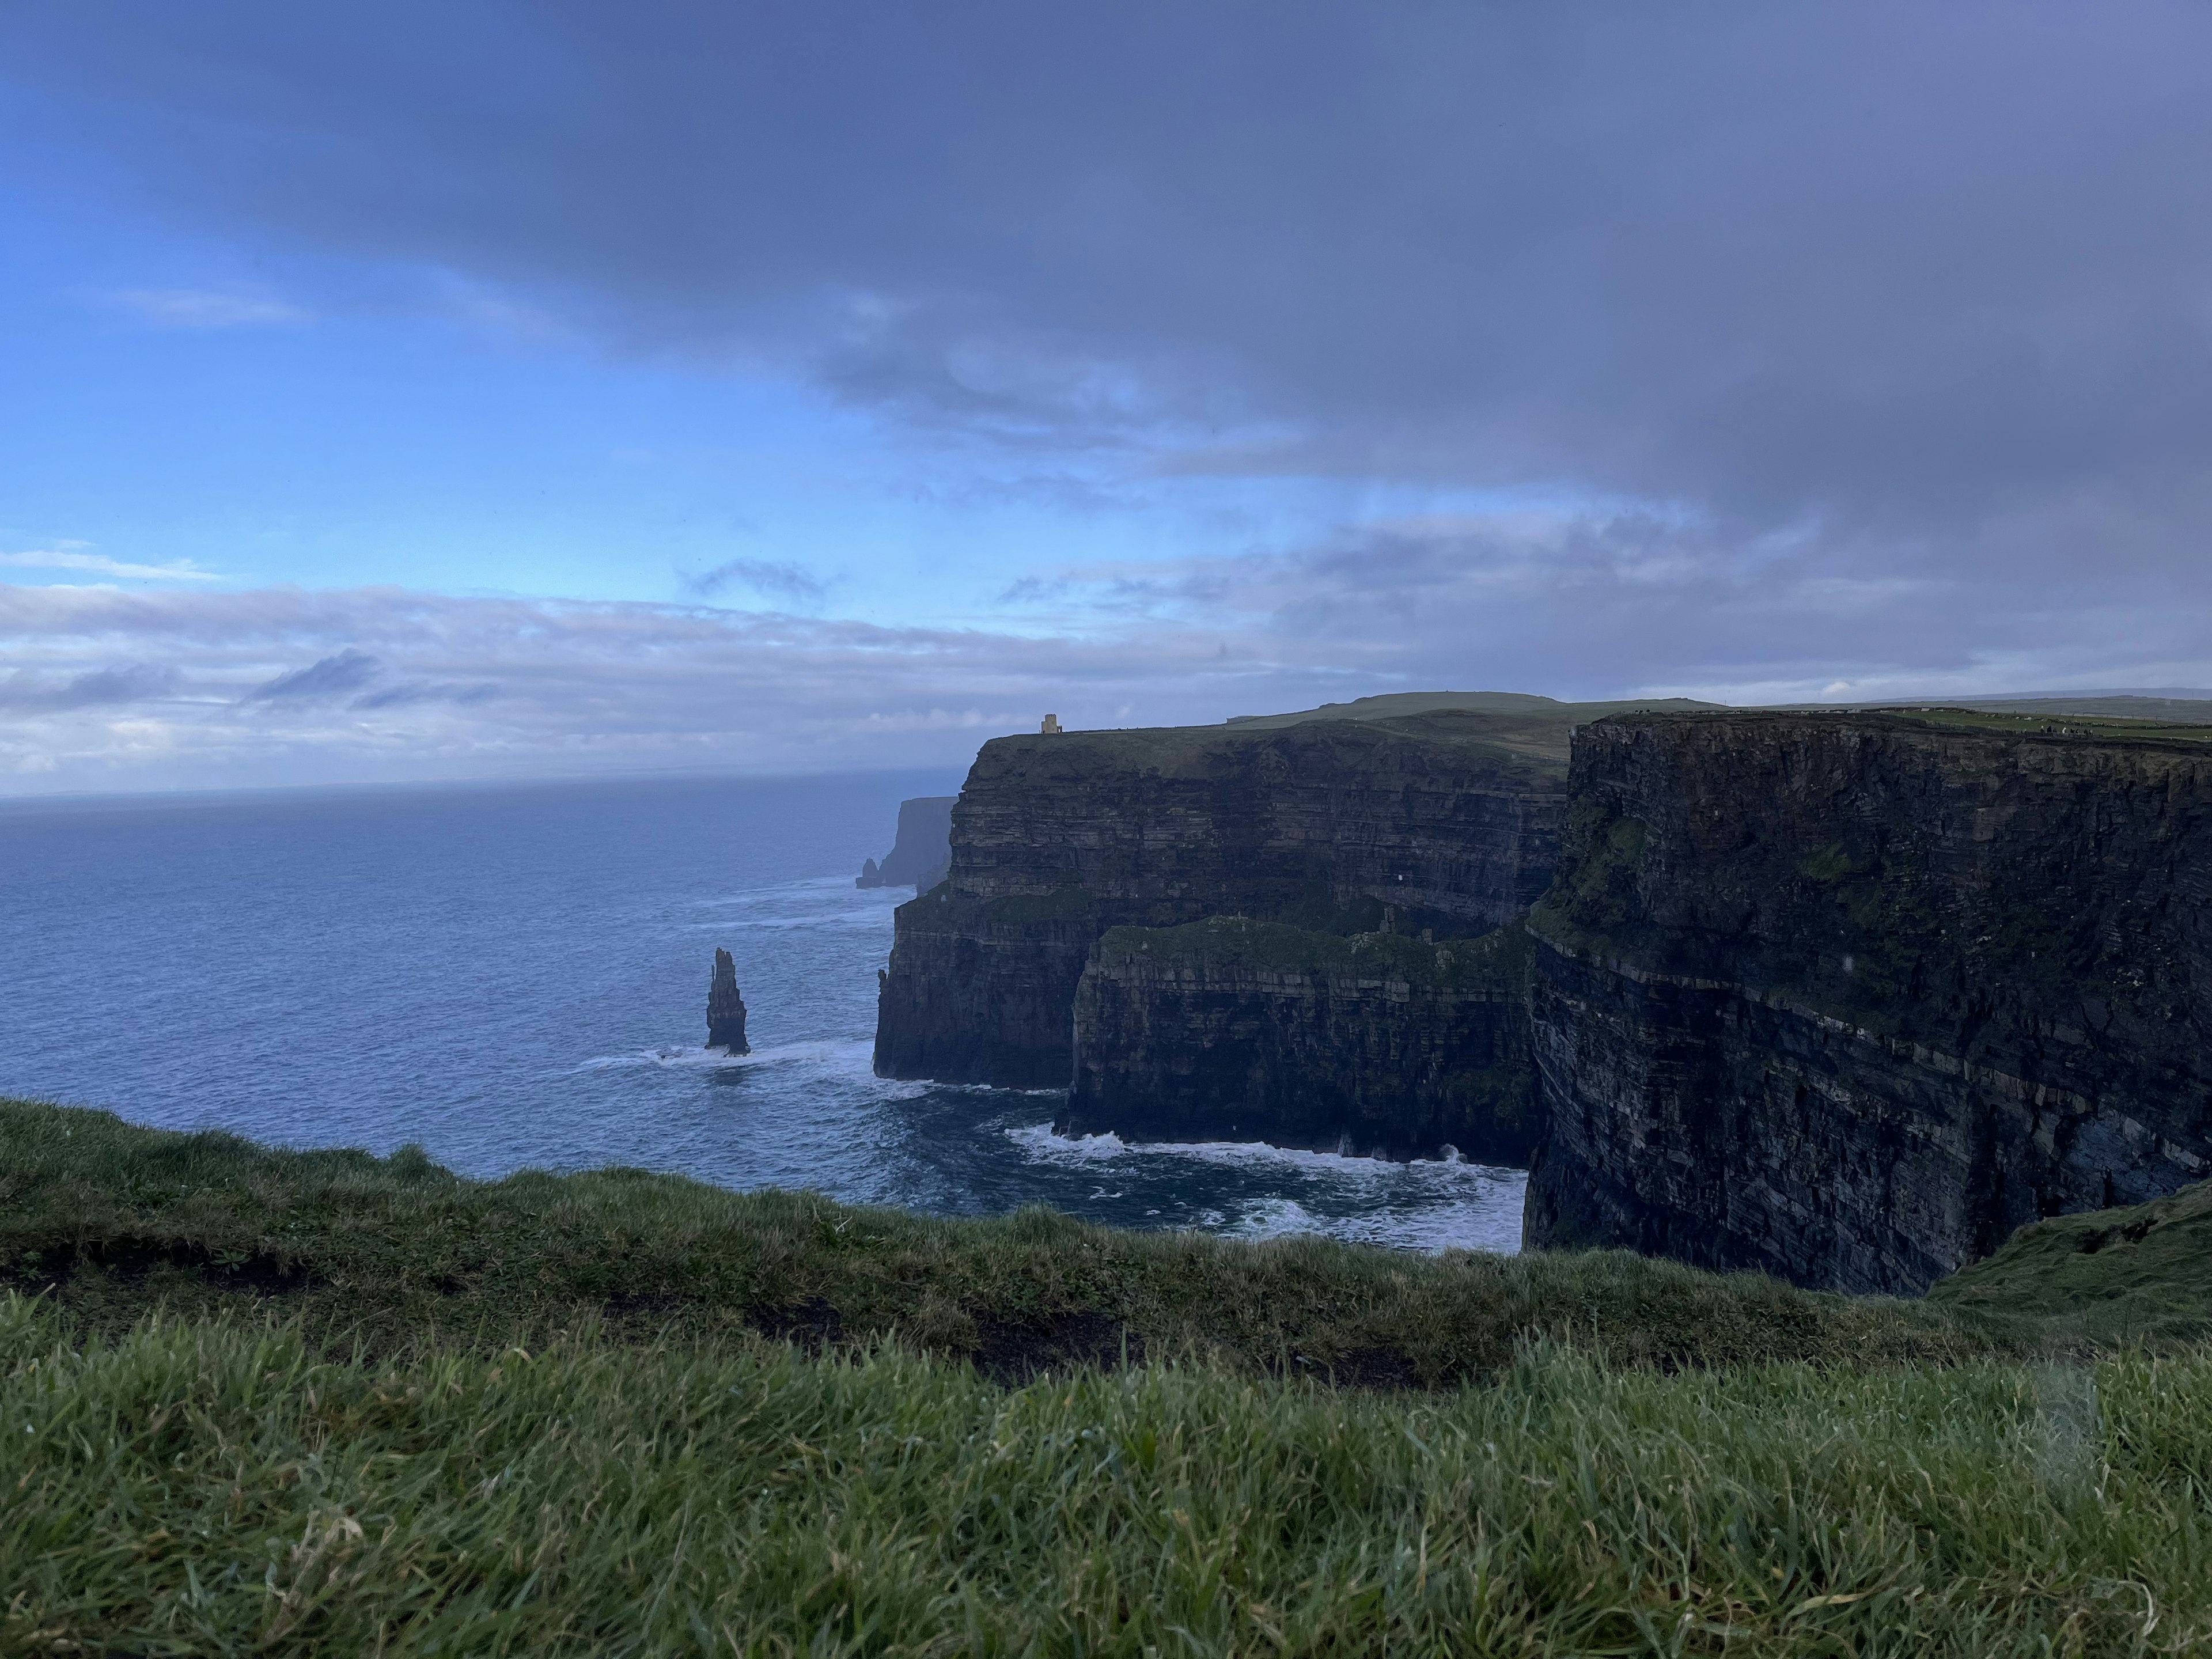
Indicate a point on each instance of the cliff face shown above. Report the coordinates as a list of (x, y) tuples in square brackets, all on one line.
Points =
[(921, 849), (1850, 997), (1447, 822), (983, 990), (1233, 1029)]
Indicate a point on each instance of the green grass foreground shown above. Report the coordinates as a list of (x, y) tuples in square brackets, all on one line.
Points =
[(211, 1486), (260, 1401)]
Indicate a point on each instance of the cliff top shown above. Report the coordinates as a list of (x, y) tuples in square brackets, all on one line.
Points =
[(1397, 705), (1542, 736), (199, 1390), (1939, 717)]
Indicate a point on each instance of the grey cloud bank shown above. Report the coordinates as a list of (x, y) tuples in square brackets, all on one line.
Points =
[(119, 691), (1863, 348)]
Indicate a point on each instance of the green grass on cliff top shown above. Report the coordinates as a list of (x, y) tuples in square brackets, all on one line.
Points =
[(324, 1403), (402, 1256)]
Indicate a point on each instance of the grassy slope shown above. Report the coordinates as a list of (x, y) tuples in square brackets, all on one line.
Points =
[(2141, 1274), (398, 1251), (555, 1428)]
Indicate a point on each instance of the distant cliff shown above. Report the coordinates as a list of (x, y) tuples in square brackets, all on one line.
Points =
[(920, 850), (1446, 822), (1848, 997), (1377, 1043)]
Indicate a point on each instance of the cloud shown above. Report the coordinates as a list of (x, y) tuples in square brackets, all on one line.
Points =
[(402, 696), (793, 581), (28, 691), (114, 687), (1853, 343), (71, 556), (1840, 260), (206, 308), (321, 681)]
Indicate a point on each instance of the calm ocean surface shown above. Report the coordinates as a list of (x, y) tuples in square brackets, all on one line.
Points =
[(518, 975)]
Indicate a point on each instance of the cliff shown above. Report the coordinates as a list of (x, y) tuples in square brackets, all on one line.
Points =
[(1850, 997), (921, 849), (1379, 1044), (1446, 821)]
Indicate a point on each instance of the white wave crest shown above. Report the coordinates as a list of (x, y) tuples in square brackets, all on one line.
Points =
[(1038, 1141), (844, 1059), (1494, 1226)]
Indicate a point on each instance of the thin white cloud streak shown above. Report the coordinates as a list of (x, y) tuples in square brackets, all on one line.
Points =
[(70, 555), (207, 308)]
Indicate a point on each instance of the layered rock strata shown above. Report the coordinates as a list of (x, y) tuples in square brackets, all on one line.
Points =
[(1445, 822), (1849, 997), (1374, 1044)]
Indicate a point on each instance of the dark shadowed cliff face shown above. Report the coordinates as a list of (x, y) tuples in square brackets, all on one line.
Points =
[(921, 852), (1233, 1029), (1850, 997), (1446, 822)]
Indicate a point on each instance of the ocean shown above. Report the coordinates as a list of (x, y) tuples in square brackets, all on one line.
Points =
[(516, 976)]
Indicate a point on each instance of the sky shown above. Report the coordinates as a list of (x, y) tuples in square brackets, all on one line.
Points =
[(434, 391)]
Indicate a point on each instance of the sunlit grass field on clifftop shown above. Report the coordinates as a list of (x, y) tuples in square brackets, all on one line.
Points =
[(320, 1402)]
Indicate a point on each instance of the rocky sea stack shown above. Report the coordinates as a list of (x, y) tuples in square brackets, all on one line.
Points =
[(726, 1009)]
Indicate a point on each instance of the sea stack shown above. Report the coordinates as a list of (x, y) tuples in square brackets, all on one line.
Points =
[(726, 1009)]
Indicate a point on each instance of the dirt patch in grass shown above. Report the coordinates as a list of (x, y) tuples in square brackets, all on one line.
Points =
[(1014, 1353)]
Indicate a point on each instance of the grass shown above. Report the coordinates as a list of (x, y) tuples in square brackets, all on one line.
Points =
[(402, 1256), (253, 1400), (219, 1486), (2136, 1275)]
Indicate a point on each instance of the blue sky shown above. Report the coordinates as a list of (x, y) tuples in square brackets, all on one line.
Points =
[(530, 390)]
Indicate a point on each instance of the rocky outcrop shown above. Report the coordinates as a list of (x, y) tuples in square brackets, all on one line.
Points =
[(1446, 822), (726, 1009), (921, 849), (1374, 1044), (1849, 997)]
